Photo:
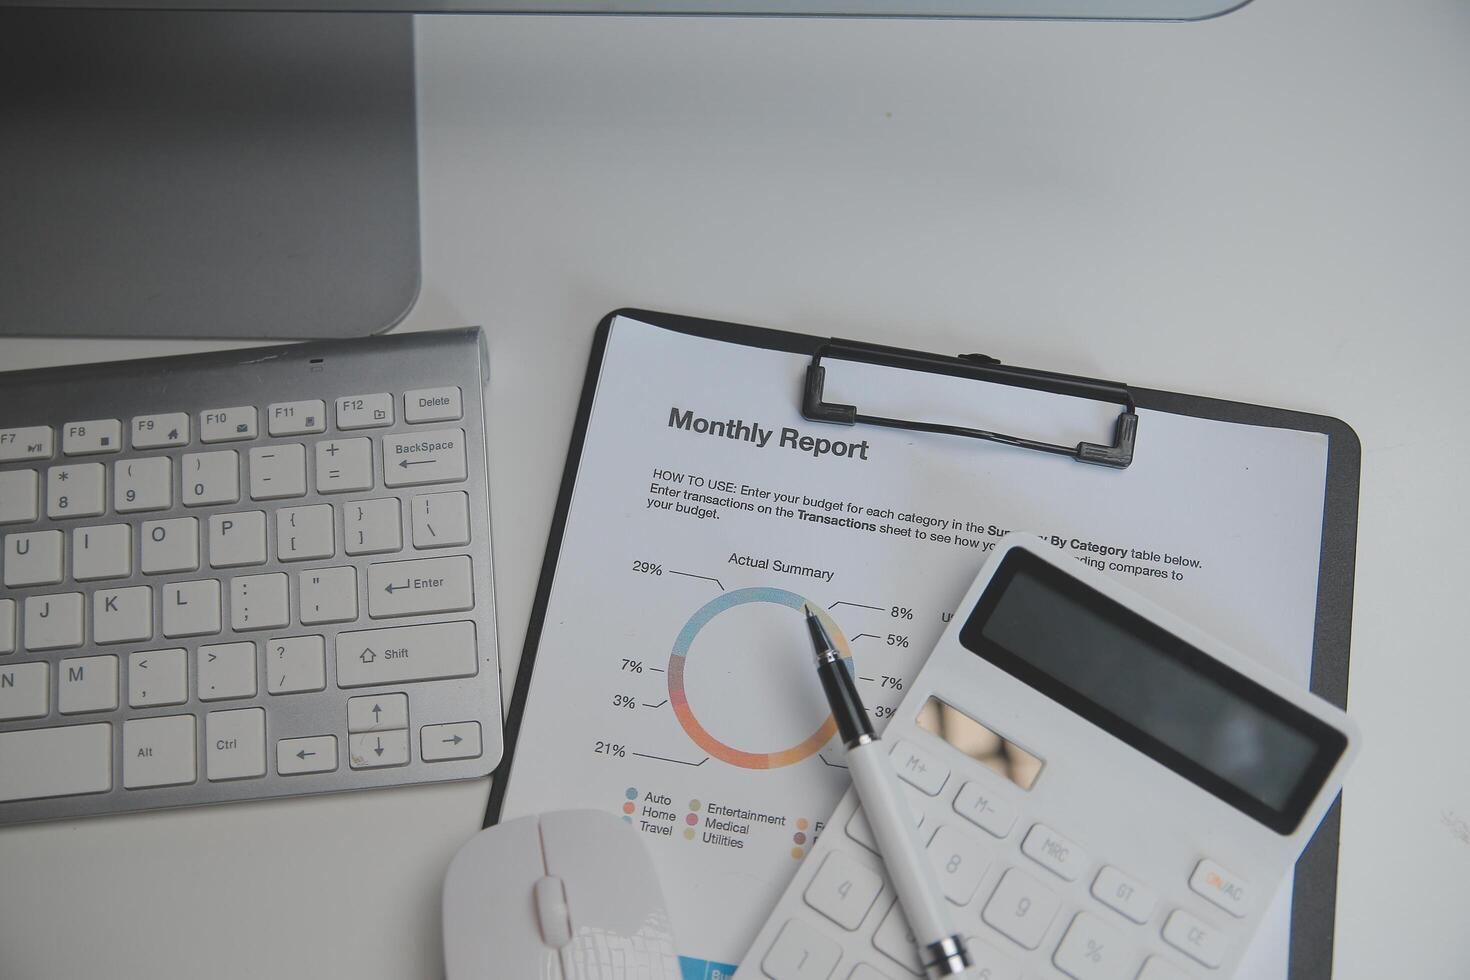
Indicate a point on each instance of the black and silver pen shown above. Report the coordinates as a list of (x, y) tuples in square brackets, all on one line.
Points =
[(941, 950)]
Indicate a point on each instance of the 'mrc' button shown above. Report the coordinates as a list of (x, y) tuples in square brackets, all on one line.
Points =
[(1221, 887), (1054, 852)]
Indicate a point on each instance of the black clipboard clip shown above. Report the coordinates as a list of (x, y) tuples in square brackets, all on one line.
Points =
[(982, 368)]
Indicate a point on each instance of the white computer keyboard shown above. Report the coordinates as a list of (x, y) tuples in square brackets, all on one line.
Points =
[(245, 574)]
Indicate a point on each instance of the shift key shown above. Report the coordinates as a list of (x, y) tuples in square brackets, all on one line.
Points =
[(406, 653), (426, 585)]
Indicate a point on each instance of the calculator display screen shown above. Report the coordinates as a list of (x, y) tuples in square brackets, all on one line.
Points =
[(1168, 699)]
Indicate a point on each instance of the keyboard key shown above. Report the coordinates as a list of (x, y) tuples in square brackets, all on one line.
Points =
[(894, 940), (211, 478), (959, 864), (226, 670), (67, 761), (170, 546), (158, 677), (375, 750), (328, 595), (800, 952), (122, 615), (104, 551), (1127, 896), (7, 625), (1054, 852), (20, 496), (843, 890), (32, 558), (25, 691), (237, 539), (35, 442), (459, 740), (297, 418), (432, 405), (1225, 889), (160, 431), (364, 411), (1194, 938), (370, 527), (379, 713), (441, 520), (278, 471), (78, 490), (234, 744), (159, 752), (259, 602), (343, 465), (918, 768), (191, 608), (432, 456), (406, 653), (142, 484), (1157, 969), (54, 621), (988, 962), (424, 585), (304, 533), (1021, 908), (89, 438), (1092, 951), (984, 809), (294, 664), (227, 424), (315, 753)]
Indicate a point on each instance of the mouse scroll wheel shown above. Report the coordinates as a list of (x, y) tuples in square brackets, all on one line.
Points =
[(551, 912)]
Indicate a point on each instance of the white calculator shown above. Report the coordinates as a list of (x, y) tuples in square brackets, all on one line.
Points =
[(1105, 792)]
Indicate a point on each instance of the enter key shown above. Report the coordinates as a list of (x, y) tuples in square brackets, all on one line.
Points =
[(425, 585)]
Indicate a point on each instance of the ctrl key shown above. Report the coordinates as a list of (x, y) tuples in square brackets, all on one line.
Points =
[(801, 953)]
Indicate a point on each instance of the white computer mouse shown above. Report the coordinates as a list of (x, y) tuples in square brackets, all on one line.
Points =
[(569, 895)]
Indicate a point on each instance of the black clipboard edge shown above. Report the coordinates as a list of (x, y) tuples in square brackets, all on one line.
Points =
[(1314, 898)]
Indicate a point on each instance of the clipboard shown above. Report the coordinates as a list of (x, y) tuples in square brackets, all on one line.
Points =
[(1315, 883)]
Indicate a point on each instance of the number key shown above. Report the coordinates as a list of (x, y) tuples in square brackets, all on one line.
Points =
[(843, 890), (211, 478), (1021, 908), (142, 484), (801, 953), (958, 864), (75, 491)]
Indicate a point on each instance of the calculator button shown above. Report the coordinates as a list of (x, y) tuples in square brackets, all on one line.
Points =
[(89, 438), (1226, 890), (1123, 894), (988, 963), (959, 864), (801, 953), (985, 810), (919, 769), (1195, 939), (865, 972), (432, 405), (35, 442), (843, 890), (227, 424), (1021, 908), (160, 431), (861, 831), (894, 940), (1054, 852), (296, 418), (364, 411), (1092, 951), (1157, 969)]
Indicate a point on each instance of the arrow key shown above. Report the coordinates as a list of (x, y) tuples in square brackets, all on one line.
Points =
[(317, 753), (379, 713), (459, 740), (373, 750)]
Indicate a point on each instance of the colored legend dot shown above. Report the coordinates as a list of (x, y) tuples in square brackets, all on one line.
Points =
[(799, 837), (689, 833), (632, 793), (801, 823), (628, 808), (694, 804), (691, 820), (798, 853)]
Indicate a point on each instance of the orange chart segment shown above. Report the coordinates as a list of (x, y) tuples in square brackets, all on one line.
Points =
[(680, 701)]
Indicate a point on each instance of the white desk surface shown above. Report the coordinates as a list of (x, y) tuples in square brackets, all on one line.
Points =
[(1269, 207)]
